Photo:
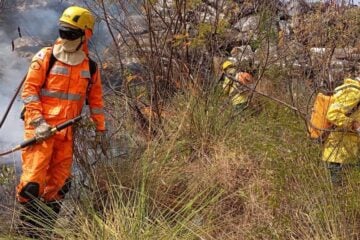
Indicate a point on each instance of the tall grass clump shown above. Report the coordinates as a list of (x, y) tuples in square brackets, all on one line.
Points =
[(216, 173)]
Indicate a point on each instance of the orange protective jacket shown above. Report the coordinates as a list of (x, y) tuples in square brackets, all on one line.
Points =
[(62, 95), (56, 98)]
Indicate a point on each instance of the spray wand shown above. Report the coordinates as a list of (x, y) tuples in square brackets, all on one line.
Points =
[(53, 130)]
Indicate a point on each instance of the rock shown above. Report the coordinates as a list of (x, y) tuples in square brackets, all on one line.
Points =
[(245, 37), (297, 7), (26, 46), (137, 24), (317, 51), (210, 16), (243, 53), (346, 53), (284, 27), (247, 24), (270, 53), (339, 53), (164, 6)]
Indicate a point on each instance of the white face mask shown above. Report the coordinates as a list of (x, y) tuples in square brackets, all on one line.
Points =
[(71, 45), (65, 51)]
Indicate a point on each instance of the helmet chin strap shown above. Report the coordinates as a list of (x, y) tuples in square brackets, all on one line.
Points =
[(79, 46)]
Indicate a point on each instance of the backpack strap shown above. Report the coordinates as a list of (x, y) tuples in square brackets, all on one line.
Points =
[(92, 69), (52, 61)]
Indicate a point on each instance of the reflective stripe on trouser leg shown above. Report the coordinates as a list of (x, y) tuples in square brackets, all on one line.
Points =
[(59, 170), (35, 162)]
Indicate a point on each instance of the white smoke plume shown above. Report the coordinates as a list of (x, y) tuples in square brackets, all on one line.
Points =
[(35, 22), (12, 69)]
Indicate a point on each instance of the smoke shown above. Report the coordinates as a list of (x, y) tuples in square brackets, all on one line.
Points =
[(42, 25), (37, 20), (12, 69)]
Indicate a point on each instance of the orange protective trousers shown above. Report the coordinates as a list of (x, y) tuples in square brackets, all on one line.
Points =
[(48, 164)]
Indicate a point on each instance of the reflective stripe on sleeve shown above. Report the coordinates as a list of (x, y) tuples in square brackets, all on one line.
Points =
[(32, 98), (61, 95), (337, 106), (96, 110)]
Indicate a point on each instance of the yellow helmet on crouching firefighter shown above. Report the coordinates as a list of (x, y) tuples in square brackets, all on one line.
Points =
[(227, 64), (78, 17)]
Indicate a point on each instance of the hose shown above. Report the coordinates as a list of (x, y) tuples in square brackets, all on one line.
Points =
[(53, 130)]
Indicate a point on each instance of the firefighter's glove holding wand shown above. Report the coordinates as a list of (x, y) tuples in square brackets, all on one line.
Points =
[(42, 129)]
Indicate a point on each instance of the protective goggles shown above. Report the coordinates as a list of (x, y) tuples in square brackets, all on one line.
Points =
[(70, 33)]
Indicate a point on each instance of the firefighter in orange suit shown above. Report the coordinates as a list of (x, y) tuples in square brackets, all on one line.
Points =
[(51, 97)]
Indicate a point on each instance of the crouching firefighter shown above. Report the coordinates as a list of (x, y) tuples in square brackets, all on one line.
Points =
[(342, 147), (60, 79), (237, 87)]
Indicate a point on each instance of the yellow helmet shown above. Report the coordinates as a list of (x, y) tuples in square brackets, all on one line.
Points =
[(227, 64), (78, 17)]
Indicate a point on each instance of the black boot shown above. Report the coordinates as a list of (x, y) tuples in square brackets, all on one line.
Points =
[(335, 170), (38, 219), (29, 219), (49, 214)]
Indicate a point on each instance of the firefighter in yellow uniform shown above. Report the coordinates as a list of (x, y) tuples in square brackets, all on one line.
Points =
[(237, 91), (341, 148)]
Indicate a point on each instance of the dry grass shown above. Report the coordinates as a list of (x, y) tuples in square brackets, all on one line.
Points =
[(203, 170), (238, 176)]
